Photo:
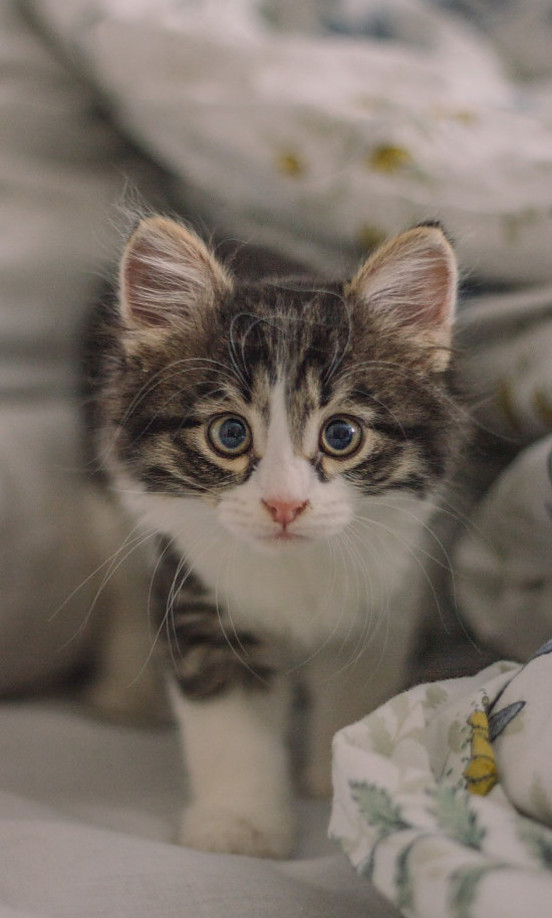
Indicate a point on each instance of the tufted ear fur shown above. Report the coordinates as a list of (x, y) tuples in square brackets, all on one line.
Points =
[(412, 280), (167, 275)]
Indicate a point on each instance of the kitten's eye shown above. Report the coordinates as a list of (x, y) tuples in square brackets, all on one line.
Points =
[(340, 437), (229, 435)]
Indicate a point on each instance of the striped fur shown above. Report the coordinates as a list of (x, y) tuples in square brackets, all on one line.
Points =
[(248, 580)]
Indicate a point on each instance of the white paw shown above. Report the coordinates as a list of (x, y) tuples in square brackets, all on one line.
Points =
[(218, 829)]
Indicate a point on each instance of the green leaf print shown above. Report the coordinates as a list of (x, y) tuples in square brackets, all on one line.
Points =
[(539, 840), (435, 695), (464, 884), (403, 878), (377, 807), (454, 814), (381, 740)]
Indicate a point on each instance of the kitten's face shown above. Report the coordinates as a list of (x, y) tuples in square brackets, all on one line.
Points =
[(280, 403), (283, 498)]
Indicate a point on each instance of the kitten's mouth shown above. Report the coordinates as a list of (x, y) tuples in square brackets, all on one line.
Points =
[(286, 536), (280, 539), (283, 537)]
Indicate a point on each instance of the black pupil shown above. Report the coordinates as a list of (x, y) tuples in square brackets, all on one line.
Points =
[(340, 435), (232, 434)]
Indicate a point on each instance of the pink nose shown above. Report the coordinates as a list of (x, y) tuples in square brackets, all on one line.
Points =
[(284, 512)]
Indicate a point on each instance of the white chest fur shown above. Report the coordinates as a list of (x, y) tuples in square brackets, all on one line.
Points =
[(304, 592)]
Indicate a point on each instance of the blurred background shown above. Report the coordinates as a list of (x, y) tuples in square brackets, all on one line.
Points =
[(317, 129)]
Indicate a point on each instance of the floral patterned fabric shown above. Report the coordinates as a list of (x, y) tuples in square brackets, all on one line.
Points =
[(443, 796)]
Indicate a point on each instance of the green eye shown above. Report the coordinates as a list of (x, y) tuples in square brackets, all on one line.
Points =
[(340, 437), (229, 435)]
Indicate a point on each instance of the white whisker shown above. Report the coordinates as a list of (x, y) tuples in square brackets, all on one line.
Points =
[(116, 562)]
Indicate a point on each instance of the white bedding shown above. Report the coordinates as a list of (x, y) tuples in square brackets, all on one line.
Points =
[(87, 813), (317, 128)]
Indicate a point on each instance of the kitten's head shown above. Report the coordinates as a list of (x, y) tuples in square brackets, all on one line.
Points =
[(282, 402)]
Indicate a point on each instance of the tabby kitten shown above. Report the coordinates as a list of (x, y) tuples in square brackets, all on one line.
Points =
[(282, 436)]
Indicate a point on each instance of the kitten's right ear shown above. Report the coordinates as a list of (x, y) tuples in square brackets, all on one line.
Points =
[(411, 283), (167, 275)]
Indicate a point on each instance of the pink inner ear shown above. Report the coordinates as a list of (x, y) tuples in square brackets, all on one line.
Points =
[(145, 287), (432, 296), (167, 275), (412, 280)]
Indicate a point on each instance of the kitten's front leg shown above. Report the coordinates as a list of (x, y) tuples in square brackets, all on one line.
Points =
[(237, 766), (232, 709)]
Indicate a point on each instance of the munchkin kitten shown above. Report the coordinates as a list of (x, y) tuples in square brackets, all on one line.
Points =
[(282, 440)]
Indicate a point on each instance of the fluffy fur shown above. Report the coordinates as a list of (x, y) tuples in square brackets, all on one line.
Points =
[(283, 439)]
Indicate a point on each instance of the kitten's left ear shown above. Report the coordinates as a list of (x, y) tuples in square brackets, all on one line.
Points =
[(412, 281), (168, 277)]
